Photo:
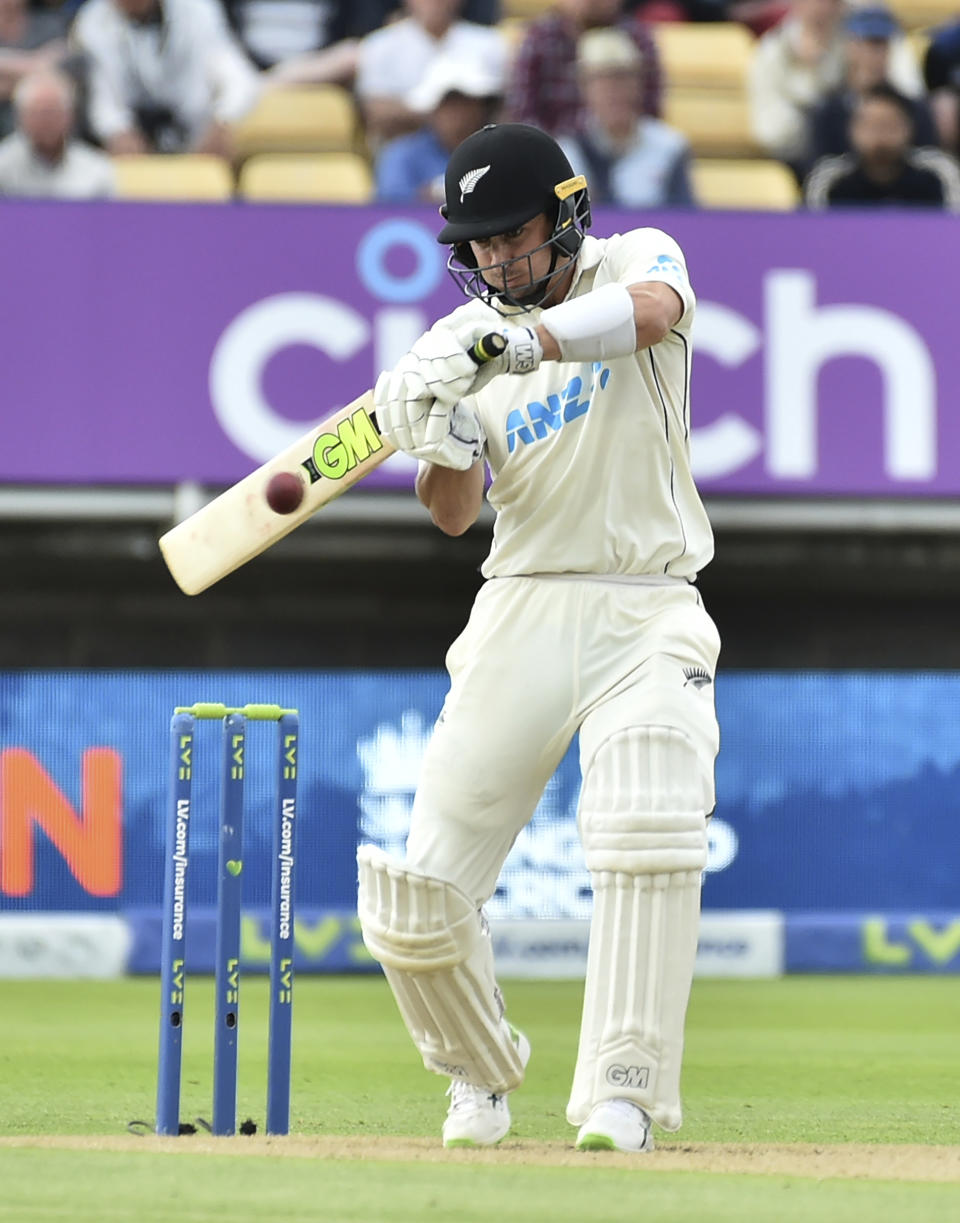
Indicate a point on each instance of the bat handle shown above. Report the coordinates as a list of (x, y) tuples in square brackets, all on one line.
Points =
[(487, 348)]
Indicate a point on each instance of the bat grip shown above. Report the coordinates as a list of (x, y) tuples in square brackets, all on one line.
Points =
[(487, 348)]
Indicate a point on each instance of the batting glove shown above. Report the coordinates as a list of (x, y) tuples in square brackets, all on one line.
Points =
[(522, 355), (436, 367), (524, 351), (450, 435)]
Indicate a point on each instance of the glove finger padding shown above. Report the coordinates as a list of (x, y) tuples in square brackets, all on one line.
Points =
[(404, 409), (437, 423), (463, 443), (442, 361)]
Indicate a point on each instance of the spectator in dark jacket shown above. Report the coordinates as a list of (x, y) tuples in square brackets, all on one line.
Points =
[(884, 167), (941, 71), (868, 33)]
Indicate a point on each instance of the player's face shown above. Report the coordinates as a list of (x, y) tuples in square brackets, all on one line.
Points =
[(511, 262)]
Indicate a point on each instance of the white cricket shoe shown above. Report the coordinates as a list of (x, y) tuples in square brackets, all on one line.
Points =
[(479, 1117), (616, 1125)]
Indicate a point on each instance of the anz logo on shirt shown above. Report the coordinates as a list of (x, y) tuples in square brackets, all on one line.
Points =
[(535, 421), (667, 265)]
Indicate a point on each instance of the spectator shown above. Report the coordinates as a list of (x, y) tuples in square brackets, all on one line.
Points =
[(41, 159), (628, 157), (456, 100), (334, 59), (868, 33), (378, 12), (273, 33), (796, 65), (394, 59), (884, 167), (166, 76), (941, 70), (543, 87), (28, 41), (679, 10)]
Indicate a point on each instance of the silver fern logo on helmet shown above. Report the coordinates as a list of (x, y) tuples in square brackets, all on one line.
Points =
[(470, 180)]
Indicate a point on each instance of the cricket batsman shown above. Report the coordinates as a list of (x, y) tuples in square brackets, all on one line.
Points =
[(589, 621)]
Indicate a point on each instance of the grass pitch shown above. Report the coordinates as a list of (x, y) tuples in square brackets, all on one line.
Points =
[(808, 1098)]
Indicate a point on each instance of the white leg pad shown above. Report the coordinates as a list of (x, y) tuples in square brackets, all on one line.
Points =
[(644, 835), (429, 938)]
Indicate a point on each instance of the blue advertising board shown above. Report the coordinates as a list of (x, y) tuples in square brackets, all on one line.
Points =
[(838, 797)]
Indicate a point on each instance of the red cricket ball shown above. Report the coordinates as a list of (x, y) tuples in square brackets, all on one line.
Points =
[(284, 492)]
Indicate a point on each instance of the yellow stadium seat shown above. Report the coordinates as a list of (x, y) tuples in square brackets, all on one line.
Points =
[(526, 8), (305, 119), (323, 178), (513, 29), (919, 41), (715, 121), (697, 55), (750, 185), (916, 14), (173, 176)]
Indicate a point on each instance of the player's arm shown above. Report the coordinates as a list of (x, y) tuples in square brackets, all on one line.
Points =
[(651, 307), (454, 498), (615, 320)]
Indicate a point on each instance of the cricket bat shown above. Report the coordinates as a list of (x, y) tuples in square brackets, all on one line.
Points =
[(239, 524)]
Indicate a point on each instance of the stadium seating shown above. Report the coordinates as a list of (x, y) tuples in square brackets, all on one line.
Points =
[(715, 121), (919, 40), (917, 14), (526, 8), (733, 183), (331, 178), (187, 176), (709, 54), (308, 119), (513, 30)]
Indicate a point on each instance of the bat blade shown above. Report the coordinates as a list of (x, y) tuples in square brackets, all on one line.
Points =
[(239, 524)]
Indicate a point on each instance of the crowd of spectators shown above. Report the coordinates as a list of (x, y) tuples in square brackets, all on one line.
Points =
[(836, 91)]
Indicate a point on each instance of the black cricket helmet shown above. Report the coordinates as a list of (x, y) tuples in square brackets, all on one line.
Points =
[(497, 179)]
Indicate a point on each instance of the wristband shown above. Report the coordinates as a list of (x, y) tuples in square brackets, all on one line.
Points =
[(595, 326)]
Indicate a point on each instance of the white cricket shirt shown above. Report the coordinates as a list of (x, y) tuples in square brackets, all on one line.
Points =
[(591, 461)]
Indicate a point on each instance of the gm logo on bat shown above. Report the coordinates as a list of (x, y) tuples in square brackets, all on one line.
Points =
[(335, 454)]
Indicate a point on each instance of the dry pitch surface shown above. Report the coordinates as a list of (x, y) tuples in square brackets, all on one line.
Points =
[(860, 1161)]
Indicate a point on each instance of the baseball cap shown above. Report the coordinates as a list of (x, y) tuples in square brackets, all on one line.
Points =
[(875, 21), (449, 75), (607, 50)]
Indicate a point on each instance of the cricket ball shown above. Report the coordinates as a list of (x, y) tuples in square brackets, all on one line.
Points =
[(284, 492)]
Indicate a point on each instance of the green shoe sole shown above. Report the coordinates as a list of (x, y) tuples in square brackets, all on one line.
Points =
[(595, 1142), (468, 1142)]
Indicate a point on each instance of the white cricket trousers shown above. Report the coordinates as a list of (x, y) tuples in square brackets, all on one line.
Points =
[(540, 659)]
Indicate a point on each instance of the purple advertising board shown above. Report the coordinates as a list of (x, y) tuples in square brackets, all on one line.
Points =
[(150, 344)]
